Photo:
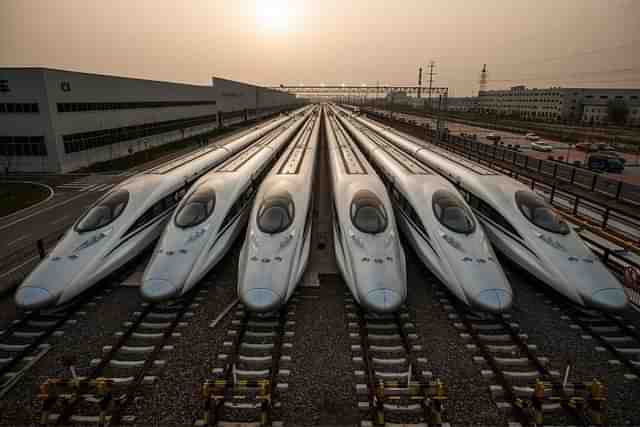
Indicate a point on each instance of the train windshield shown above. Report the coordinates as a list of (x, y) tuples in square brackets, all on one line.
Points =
[(540, 213), (197, 208), (105, 212), (452, 213), (367, 213), (276, 213)]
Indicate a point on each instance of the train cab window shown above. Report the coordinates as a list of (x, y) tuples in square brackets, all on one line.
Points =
[(368, 213), (197, 208), (105, 212), (540, 213), (452, 213), (276, 213)]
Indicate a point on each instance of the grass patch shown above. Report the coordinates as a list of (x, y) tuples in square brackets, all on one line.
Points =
[(17, 195)]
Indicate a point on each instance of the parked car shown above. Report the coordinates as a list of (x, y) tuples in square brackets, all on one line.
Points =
[(605, 147), (532, 137), (585, 146), (606, 162), (541, 146), (493, 137)]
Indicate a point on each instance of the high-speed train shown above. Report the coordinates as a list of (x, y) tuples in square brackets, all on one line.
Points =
[(438, 223), (278, 240), (522, 226), (368, 250), (211, 215), (123, 223)]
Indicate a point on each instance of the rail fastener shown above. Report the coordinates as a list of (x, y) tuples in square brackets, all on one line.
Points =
[(216, 392), (431, 395), (65, 392), (585, 398)]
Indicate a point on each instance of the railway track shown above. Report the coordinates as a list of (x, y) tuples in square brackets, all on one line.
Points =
[(522, 383), (23, 343), (393, 385), (251, 372), (117, 376), (612, 333)]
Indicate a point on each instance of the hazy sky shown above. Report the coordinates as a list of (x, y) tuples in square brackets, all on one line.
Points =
[(535, 42)]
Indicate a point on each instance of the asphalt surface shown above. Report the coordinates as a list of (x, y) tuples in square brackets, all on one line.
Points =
[(322, 382)]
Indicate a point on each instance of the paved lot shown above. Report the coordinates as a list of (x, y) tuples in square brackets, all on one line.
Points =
[(631, 174)]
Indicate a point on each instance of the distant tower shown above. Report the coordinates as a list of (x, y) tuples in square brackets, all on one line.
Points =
[(431, 74), (484, 78), (419, 82)]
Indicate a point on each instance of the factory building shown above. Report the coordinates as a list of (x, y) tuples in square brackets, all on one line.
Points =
[(585, 105), (59, 121)]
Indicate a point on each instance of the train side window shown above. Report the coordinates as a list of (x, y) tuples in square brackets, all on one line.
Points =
[(178, 195)]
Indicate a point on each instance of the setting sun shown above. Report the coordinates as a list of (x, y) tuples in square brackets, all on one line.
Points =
[(274, 15)]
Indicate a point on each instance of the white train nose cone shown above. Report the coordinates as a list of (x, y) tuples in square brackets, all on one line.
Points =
[(33, 298), (157, 290), (494, 300), (609, 299), (383, 300), (260, 299)]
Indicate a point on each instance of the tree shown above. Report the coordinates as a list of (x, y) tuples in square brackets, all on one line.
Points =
[(617, 111)]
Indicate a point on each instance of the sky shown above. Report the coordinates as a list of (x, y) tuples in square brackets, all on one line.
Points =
[(540, 43)]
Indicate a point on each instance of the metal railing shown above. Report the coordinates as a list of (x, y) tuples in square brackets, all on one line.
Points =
[(563, 172)]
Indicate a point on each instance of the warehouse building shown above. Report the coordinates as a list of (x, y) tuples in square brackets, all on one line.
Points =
[(585, 105), (59, 121)]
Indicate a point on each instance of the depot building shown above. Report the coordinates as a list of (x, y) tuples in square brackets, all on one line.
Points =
[(60, 121)]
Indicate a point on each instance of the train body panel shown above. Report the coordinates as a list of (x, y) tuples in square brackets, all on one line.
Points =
[(122, 223), (453, 246), (210, 217), (522, 226), (277, 244), (368, 250)]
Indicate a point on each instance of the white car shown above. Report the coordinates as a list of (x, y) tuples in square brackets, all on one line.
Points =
[(532, 137), (541, 146)]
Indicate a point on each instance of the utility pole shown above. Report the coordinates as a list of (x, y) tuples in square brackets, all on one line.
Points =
[(419, 82), (432, 64)]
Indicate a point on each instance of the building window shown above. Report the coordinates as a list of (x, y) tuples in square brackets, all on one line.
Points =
[(604, 97), (68, 107), (30, 146), (100, 138), (18, 108)]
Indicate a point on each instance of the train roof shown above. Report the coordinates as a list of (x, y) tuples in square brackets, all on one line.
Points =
[(458, 160), (353, 165), (402, 159), (295, 156)]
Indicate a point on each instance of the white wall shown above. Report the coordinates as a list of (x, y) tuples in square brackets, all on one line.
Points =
[(50, 87)]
